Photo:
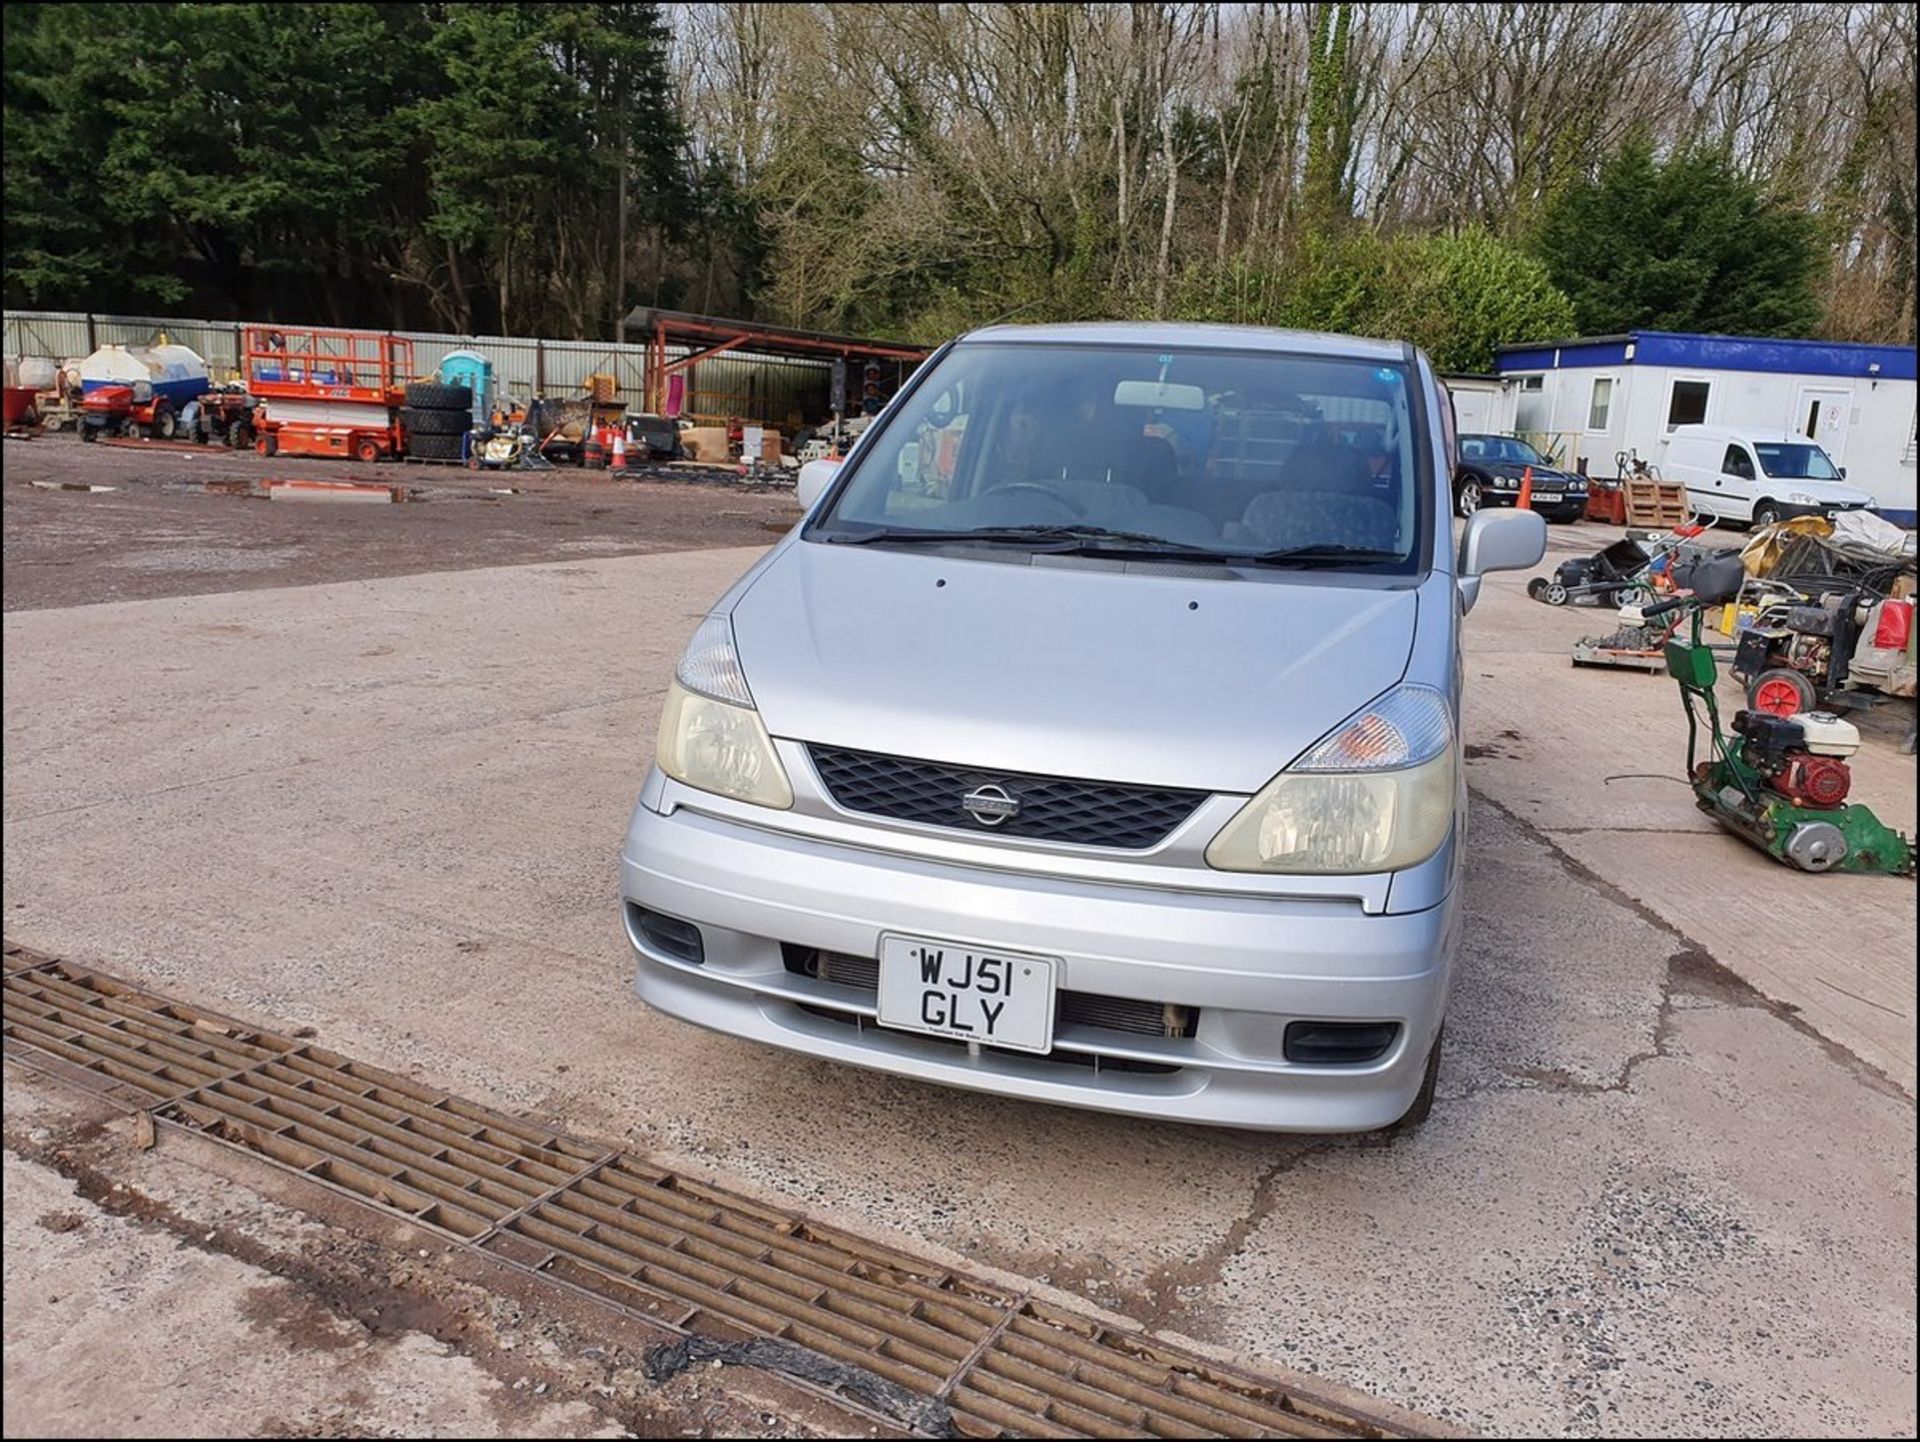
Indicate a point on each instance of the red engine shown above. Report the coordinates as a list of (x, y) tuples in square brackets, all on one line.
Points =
[(1809, 780)]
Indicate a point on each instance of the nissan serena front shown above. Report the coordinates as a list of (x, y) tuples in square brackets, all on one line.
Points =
[(1094, 739)]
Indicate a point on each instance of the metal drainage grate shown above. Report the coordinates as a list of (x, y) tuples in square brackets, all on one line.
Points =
[(699, 1258)]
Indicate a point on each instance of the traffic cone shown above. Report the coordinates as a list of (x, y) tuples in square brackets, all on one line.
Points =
[(1526, 489), (619, 450)]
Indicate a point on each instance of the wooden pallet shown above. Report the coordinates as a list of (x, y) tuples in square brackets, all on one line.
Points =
[(1656, 505)]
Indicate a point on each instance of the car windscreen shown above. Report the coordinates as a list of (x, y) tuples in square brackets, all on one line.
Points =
[(1226, 452), (1795, 462), (1503, 449)]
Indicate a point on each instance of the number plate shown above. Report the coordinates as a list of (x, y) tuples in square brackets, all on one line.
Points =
[(944, 989), (1546, 495)]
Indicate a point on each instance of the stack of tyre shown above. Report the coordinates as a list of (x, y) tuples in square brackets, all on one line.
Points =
[(436, 419)]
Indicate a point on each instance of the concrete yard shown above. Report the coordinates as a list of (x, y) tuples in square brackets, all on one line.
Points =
[(1668, 1187)]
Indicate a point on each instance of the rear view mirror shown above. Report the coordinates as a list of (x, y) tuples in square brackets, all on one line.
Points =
[(815, 477), (1158, 395)]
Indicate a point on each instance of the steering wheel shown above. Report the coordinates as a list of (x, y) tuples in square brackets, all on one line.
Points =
[(1074, 508)]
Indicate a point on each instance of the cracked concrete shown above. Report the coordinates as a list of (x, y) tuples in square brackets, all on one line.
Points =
[(1594, 761), (1651, 1198)]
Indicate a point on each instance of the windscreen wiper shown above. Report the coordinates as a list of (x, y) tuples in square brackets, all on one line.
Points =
[(1328, 555), (1043, 535)]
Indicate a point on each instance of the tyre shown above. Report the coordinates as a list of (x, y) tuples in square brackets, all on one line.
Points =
[(133, 430), (1781, 691), (1468, 499), (165, 423), (1636, 596), (1423, 1099), (89, 433), (431, 447), (267, 445), (1766, 513), (420, 421), (1554, 594), (366, 450), (430, 396), (1537, 588)]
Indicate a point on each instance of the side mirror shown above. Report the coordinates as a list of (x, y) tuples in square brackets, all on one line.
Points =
[(1843, 473), (1498, 540), (815, 477)]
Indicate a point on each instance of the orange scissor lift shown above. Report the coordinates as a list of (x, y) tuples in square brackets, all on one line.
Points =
[(327, 392)]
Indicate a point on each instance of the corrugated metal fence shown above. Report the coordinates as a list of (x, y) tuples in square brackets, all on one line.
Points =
[(778, 390)]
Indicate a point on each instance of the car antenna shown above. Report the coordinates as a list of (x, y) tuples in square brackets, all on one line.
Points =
[(1005, 316)]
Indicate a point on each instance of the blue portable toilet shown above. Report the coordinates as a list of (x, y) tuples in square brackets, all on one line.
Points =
[(471, 369)]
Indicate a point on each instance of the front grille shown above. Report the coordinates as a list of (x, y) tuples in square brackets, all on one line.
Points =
[(1052, 808), (1057, 1057)]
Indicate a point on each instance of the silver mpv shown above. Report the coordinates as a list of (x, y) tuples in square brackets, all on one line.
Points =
[(1094, 739)]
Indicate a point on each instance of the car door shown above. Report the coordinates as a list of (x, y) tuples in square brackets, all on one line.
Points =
[(1697, 466), (1738, 485)]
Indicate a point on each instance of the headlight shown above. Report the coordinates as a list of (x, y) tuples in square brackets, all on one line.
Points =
[(1576, 485), (1504, 483), (1375, 795), (1802, 498), (711, 736)]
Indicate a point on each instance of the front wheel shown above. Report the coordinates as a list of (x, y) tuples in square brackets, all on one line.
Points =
[(1469, 499), (1555, 594), (164, 423), (1422, 1106), (1766, 513)]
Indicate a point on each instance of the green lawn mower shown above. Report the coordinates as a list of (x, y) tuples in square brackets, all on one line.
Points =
[(1779, 782)]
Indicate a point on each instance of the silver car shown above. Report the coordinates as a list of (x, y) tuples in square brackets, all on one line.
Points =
[(1094, 739)]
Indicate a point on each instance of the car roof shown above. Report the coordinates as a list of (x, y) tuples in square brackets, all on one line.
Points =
[(1739, 433), (1193, 333)]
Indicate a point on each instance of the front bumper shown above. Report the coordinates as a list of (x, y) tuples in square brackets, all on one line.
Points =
[(1250, 964), (1793, 510), (1569, 507)]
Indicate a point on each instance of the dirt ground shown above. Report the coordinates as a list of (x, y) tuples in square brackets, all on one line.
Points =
[(1667, 1188), (158, 533)]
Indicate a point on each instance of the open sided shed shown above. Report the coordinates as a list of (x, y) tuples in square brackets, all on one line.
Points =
[(777, 375)]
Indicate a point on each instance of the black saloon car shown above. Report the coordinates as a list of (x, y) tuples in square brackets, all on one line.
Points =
[(1490, 472)]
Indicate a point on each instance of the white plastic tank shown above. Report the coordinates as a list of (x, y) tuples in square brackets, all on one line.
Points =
[(38, 373), (173, 371)]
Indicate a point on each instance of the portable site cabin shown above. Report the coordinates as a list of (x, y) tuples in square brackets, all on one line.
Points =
[(1481, 404), (1588, 400)]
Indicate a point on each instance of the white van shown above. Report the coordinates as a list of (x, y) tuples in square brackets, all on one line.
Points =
[(1757, 476)]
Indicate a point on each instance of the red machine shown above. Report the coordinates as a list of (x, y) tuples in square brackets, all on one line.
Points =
[(327, 392), (113, 411)]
